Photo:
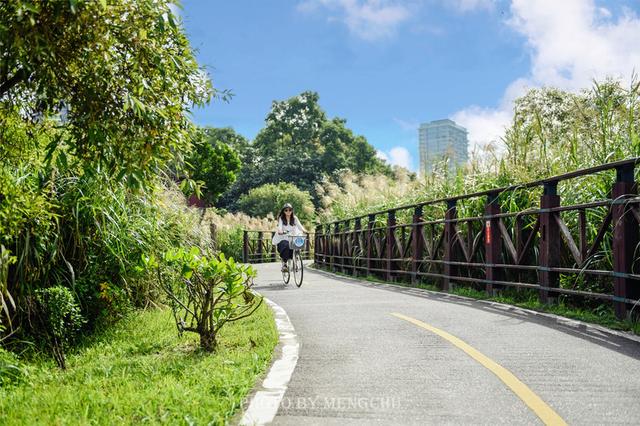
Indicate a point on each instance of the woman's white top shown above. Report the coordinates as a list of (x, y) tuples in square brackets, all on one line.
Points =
[(295, 230)]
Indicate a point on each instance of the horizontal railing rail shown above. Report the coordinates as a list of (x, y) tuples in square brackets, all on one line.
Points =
[(546, 247), (257, 247)]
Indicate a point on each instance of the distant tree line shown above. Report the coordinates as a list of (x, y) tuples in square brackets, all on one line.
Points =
[(299, 146)]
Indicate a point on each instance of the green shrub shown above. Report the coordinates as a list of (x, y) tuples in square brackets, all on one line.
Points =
[(60, 319), (206, 292), (268, 200), (229, 242)]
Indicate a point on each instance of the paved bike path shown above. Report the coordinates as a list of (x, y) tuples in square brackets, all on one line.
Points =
[(359, 364)]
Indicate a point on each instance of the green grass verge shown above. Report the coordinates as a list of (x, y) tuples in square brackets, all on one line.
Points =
[(603, 315), (141, 371)]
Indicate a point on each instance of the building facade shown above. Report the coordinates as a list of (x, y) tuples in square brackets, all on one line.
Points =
[(439, 141)]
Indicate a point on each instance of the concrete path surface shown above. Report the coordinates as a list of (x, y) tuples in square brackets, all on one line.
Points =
[(380, 354)]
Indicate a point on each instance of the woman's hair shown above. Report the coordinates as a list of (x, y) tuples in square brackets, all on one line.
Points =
[(283, 217)]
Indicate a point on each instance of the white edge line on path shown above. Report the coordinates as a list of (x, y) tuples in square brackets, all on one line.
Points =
[(264, 404)]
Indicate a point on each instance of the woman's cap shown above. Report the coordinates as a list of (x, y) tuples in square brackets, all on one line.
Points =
[(287, 206)]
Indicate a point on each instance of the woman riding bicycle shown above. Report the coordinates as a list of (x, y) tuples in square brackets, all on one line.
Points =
[(288, 224)]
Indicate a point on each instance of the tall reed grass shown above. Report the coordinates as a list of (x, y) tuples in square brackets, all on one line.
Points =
[(227, 229), (552, 132)]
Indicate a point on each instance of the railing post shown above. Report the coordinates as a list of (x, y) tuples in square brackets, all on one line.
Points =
[(318, 250), (273, 248), (346, 254), (549, 240), (357, 226), (307, 247), (245, 246), (449, 231), (259, 247), (492, 242), (329, 246), (391, 232), (625, 239), (337, 248), (336, 245), (417, 244), (370, 225)]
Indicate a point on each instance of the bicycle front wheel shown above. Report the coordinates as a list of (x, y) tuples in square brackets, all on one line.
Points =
[(286, 275), (298, 268)]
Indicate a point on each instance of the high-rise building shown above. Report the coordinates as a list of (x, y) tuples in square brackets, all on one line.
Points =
[(442, 140)]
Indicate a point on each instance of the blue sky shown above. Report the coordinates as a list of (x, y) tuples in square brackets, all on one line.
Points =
[(387, 65)]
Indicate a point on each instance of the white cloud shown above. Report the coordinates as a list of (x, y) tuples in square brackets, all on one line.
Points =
[(397, 156), (368, 19), (571, 43), (485, 125)]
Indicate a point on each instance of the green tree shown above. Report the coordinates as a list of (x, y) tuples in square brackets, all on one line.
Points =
[(299, 124), (269, 199), (120, 74), (300, 144), (214, 161)]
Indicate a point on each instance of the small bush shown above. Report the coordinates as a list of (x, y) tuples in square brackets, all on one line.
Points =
[(269, 199), (60, 317), (206, 292), (229, 242)]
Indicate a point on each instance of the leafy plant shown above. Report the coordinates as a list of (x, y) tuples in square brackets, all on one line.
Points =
[(60, 319), (138, 75), (206, 292), (213, 161), (6, 301)]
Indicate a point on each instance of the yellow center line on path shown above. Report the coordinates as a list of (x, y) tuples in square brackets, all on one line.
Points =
[(533, 401)]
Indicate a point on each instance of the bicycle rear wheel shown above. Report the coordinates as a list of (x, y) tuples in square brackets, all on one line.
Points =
[(298, 268)]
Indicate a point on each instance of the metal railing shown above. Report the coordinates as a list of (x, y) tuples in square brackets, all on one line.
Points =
[(494, 249), (257, 247)]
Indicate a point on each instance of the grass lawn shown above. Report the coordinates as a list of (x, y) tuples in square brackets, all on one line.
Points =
[(140, 371)]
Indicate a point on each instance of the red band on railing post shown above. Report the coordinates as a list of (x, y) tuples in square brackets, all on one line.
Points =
[(487, 232)]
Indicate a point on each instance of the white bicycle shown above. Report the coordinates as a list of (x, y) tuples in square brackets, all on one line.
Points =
[(296, 243)]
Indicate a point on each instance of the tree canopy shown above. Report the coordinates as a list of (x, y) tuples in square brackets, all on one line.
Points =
[(214, 161), (268, 199), (120, 74), (300, 144)]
